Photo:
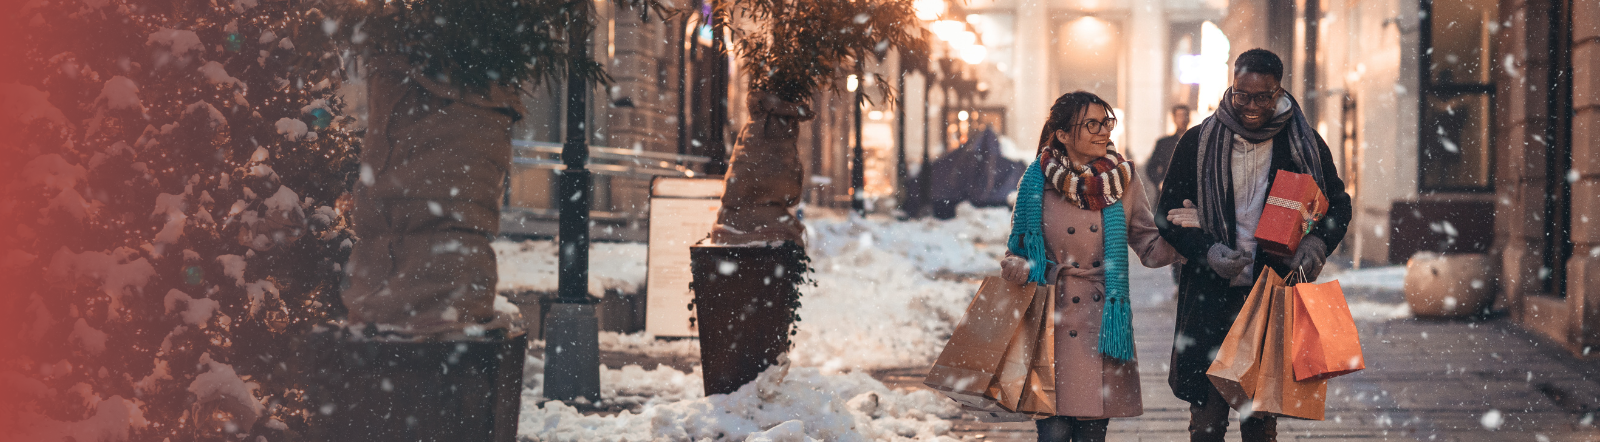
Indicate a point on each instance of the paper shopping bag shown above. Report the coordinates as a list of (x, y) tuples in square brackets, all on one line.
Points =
[(1011, 382), (1326, 344), (1241, 348), (1273, 388), (1039, 392), (970, 360)]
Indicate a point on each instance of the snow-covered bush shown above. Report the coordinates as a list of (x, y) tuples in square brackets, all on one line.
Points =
[(167, 237)]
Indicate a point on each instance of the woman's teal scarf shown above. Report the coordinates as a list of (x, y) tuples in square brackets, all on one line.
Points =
[(1027, 241)]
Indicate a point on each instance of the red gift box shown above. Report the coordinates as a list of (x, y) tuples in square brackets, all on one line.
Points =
[(1294, 206)]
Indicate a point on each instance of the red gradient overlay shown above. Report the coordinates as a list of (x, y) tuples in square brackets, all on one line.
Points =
[(169, 178)]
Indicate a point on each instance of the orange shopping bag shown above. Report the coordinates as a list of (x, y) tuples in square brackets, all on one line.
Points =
[(1326, 344), (1273, 388)]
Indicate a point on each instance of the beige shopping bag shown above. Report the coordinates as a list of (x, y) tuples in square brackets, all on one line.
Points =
[(1241, 349), (970, 361)]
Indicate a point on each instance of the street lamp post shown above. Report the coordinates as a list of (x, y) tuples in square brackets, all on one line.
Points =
[(572, 331), (857, 164)]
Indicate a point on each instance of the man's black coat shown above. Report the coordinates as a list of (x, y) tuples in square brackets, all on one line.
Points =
[(1207, 306)]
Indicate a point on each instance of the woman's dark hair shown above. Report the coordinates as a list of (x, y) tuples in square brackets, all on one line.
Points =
[(1260, 61), (1067, 110)]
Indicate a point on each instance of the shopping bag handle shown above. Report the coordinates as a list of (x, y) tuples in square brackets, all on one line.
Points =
[(1296, 276)]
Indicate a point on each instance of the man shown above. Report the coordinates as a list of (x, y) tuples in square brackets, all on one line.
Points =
[(1156, 168), (1226, 165)]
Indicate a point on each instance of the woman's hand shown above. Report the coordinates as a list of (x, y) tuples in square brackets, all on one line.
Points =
[(1014, 269), (1188, 216)]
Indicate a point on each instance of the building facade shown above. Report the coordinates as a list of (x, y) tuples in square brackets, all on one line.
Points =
[(1466, 127)]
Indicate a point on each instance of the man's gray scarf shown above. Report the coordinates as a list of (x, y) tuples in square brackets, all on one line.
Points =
[(1215, 161)]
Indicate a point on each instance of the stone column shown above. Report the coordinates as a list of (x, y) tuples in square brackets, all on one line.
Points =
[(1032, 64), (1583, 269), (1146, 105)]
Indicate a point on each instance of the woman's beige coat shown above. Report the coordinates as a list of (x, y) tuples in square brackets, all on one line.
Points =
[(1089, 384)]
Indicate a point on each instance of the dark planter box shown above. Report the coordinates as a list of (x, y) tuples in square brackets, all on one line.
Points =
[(413, 391), (743, 301)]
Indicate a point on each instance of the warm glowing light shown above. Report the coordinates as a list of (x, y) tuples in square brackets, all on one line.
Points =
[(1213, 68), (961, 40), (876, 115), (962, 116), (851, 83), (1090, 32), (946, 29), (929, 9), (974, 54)]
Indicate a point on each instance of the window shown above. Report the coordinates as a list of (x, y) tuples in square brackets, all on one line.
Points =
[(1455, 137)]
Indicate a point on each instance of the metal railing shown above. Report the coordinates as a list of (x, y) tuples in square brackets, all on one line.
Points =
[(621, 187), (608, 160)]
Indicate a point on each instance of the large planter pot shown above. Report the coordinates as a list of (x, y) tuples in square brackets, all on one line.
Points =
[(1449, 286), (744, 298), (447, 391)]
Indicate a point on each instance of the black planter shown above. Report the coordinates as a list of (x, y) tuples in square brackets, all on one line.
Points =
[(413, 391), (744, 297)]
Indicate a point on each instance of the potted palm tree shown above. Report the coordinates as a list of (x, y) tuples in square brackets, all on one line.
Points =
[(443, 80), (747, 274)]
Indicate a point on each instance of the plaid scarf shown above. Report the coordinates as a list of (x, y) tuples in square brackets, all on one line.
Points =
[(1215, 162), (1096, 186)]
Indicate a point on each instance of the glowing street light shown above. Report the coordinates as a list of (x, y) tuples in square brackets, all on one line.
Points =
[(929, 10), (974, 54), (946, 29)]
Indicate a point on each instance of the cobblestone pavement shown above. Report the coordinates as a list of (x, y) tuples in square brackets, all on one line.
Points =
[(1428, 380)]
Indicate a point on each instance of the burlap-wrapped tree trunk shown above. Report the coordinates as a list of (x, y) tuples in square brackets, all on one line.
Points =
[(428, 203), (763, 180)]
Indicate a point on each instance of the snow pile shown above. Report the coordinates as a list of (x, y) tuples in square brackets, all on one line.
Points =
[(120, 93), (782, 404), (177, 40), (644, 343), (27, 104), (872, 309), (971, 243), (531, 266), (113, 420)]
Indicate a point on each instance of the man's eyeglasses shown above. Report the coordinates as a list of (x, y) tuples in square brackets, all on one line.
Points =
[(1262, 99), (1098, 126)]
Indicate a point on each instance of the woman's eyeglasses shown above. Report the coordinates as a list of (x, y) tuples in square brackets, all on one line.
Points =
[(1098, 126), (1262, 99)]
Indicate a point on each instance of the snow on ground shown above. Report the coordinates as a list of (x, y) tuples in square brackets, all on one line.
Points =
[(783, 404), (887, 294), (531, 266), (1374, 293)]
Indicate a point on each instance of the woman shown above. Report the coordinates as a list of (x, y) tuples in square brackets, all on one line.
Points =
[(1079, 208)]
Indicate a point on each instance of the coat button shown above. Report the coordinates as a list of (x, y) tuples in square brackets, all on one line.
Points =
[(1096, 264), (1074, 299), (1072, 333), (1093, 228), (1096, 297), (1071, 230), (1074, 265)]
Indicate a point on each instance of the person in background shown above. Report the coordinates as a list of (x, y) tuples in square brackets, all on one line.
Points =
[(1156, 168), (1080, 208), (1227, 165)]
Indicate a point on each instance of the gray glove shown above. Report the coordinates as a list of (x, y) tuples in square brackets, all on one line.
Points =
[(1309, 257), (1227, 262)]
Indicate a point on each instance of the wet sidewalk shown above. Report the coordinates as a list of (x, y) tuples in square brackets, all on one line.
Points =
[(1429, 380)]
